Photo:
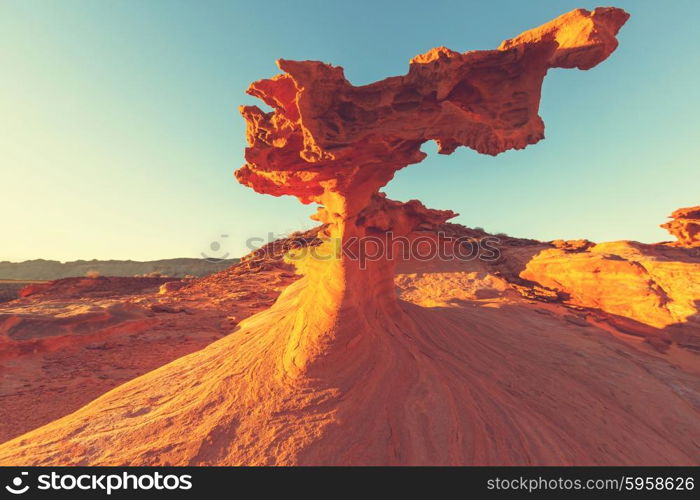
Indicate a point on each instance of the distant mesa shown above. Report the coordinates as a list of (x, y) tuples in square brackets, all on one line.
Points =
[(41, 269)]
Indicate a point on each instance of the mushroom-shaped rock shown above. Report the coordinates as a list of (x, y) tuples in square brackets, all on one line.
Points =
[(330, 142), (328, 137)]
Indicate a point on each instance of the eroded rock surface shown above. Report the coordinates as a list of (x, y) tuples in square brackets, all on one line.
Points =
[(685, 226), (326, 135), (652, 285)]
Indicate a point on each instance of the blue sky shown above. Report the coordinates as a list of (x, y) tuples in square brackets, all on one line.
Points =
[(119, 130)]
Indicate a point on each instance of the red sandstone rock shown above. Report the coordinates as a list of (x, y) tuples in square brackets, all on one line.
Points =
[(685, 226), (573, 245), (326, 135), (336, 144), (654, 285)]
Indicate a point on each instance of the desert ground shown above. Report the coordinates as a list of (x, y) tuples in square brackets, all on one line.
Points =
[(567, 352)]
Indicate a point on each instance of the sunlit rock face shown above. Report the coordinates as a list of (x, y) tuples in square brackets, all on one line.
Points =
[(327, 136), (685, 226), (335, 144), (654, 285)]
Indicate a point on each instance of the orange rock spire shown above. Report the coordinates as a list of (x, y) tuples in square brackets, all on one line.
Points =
[(335, 144)]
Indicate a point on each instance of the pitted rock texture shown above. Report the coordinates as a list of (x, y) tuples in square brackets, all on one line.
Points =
[(685, 226), (326, 135)]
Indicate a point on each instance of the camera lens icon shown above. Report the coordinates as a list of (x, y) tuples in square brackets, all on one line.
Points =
[(16, 488)]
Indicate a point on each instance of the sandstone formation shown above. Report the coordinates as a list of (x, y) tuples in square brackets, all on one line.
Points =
[(656, 287), (653, 285), (339, 370), (685, 226), (335, 144)]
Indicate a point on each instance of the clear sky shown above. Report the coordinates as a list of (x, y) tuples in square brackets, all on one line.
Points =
[(119, 130)]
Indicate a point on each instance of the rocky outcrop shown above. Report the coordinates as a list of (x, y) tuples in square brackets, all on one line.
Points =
[(329, 142), (654, 286), (327, 136), (685, 226)]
